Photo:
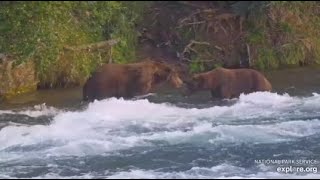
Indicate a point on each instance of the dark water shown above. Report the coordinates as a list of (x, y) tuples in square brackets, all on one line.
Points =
[(51, 134)]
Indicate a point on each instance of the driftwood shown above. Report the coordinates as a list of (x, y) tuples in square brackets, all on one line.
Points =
[(93, 46), (189, 48), (193, 42)]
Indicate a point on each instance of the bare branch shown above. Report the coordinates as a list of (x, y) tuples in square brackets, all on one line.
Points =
[(110, 57), (98, 45), (192, 49), (188, 18), (190, 4), (218, 47), (186, 59), (199, 42), (193, 23), (249, 55), (210, 60), (210, 10), (192, 42)]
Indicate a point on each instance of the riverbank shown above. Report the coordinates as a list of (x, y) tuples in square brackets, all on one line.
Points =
[(116, 138), (197, 35), (295, 81)]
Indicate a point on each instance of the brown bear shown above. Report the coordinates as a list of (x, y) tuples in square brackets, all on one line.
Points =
[(129, 80), (228, 83)]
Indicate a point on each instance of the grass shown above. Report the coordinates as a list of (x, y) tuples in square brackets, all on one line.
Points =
[(39, 31), (285, 35)]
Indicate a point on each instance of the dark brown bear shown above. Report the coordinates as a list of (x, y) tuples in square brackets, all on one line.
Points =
[(129, 80), (228, 83)]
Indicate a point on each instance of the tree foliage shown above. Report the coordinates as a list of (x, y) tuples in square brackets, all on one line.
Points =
[(38, 31)]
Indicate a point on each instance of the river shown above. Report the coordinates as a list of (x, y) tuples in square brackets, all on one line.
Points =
[(51, 134)]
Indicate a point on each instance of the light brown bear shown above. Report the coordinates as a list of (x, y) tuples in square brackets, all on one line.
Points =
[(228, 83)]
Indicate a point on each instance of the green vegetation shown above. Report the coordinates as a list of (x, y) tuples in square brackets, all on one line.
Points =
[(196, 66), (279, 34), (285, 34), (39, 31)]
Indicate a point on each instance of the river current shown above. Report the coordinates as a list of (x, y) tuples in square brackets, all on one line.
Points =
[(164, 135)]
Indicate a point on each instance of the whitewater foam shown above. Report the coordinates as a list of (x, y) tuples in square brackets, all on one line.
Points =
[(109, 125), (36, 111), (112, 124)]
